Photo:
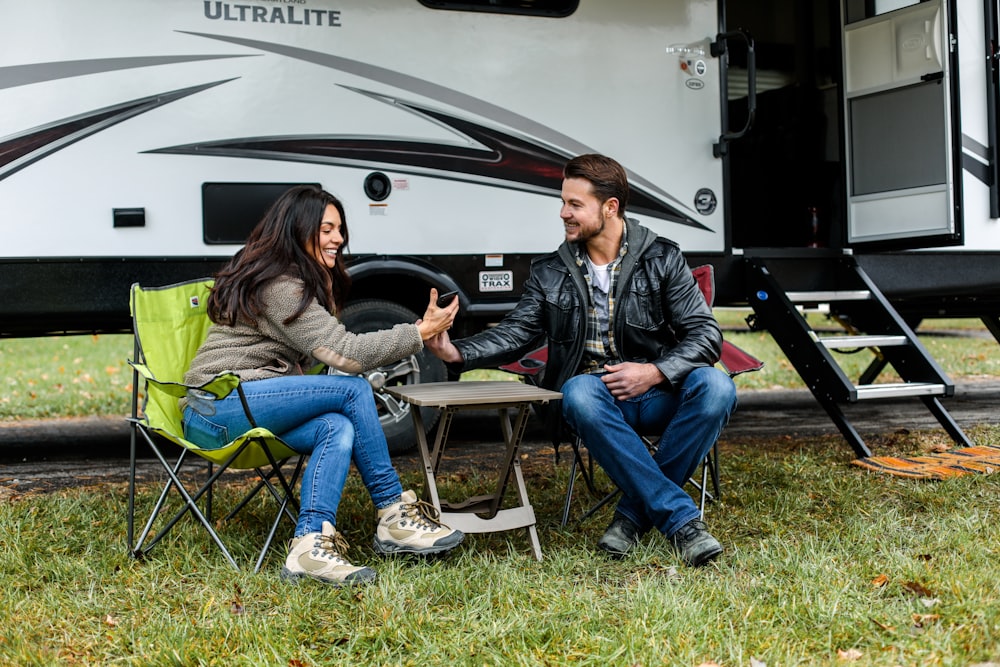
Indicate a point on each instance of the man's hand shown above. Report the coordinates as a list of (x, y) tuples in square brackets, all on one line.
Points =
[(442, 347), (630, 379)]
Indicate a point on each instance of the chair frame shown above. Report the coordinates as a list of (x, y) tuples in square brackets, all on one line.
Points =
[(255, 441), (709, 473)]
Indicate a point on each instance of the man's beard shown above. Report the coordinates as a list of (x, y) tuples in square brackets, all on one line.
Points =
[(587, 235)]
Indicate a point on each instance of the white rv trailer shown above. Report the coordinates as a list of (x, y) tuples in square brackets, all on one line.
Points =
[(140, 140)]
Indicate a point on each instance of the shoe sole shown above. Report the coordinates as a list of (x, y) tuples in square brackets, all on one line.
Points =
[(290, 577), (617, 554), (707, 558), (393, 548)]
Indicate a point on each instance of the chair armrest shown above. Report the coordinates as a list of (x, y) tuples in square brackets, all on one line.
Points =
[(220, 386)]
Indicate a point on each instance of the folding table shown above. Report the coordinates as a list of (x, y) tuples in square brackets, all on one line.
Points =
[(479, 514)]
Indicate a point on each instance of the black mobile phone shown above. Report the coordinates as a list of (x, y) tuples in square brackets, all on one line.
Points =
[(445, 299)]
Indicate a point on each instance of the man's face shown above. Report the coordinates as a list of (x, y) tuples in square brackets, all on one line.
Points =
[(582, 213)]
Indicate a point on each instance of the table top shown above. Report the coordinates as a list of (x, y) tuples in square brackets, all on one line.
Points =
[(483, 392)]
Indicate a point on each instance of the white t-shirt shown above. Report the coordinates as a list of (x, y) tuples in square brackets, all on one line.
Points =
[(599, 276)]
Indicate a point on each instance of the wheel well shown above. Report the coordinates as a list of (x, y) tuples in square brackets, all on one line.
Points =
[(406, 290)]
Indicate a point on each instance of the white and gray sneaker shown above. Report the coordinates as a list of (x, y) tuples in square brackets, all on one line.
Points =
[(320, 556), (413, 526)]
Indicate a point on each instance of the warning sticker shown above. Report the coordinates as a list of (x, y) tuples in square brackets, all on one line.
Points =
[(496, 281)]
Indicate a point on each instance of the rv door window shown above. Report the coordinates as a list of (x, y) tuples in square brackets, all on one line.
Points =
[(551, 8), (859, 10)]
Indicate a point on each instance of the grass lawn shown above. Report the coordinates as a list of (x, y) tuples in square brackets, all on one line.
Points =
[(825, 564)]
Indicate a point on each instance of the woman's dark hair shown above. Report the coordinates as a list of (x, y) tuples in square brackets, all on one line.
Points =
[(607, 177), (282, 245)]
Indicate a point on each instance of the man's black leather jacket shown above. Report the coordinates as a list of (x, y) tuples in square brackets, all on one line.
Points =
[(660, 315)]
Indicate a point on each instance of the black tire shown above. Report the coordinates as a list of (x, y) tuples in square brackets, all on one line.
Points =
[(394, 415)]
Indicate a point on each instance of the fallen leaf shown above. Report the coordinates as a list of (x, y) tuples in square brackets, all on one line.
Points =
[(920, 620), (754, 662), (236, 604), (709, 664), (880, 581), (917, 589), (110, 620), (929, 602), (849, 654)]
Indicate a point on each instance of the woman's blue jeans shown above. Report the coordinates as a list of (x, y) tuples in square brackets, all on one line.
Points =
[(331, 418), (690, 420)]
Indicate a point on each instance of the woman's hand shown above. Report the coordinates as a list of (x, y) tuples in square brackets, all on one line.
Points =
[(437, 320)]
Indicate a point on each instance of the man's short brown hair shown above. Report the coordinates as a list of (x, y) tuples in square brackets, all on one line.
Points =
[(605, 175)]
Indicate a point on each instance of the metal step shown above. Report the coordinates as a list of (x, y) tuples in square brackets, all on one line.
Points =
[(868, 392), (850, 342), (828, 296)]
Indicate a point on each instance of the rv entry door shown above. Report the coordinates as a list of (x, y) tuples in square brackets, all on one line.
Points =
[(900, 116)]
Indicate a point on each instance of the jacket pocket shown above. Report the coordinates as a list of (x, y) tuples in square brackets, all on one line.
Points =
[(642, 304), (559, 316)]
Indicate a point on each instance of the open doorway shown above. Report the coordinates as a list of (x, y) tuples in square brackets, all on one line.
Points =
[(786, 174)]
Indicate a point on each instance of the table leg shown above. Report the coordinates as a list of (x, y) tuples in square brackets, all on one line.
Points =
[(430, 486)]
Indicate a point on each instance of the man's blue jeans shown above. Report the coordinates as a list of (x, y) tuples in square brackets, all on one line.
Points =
[(690, 419), (332, 418)]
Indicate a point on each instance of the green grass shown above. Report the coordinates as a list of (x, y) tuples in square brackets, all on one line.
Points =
[(822, 560), (65, 376), (820, 557)]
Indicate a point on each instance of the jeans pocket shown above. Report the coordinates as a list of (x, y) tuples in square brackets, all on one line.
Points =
[(204, 433)]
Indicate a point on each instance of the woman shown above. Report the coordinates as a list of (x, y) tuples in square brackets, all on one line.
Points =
[(274, 308)]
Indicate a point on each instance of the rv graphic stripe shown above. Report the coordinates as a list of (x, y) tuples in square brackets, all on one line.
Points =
[(22, 75), (449, 96), (20, 150), (487, 156)]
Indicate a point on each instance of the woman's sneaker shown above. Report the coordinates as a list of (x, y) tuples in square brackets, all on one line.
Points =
[(412, 526), (320, 556)]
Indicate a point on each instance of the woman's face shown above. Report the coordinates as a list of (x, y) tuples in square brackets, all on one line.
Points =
[(326, 247)]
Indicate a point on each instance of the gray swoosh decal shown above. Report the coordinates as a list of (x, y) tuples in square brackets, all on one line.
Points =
[(22, 75)]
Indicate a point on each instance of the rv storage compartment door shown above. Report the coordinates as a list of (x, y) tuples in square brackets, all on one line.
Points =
[(898, 114)]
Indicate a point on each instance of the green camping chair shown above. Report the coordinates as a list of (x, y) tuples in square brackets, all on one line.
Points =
[(169, 324)]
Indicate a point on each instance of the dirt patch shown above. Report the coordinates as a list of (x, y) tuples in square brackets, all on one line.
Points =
[(49, 455)]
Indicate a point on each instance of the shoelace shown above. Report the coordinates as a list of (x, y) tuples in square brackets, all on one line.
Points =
[(423, 514), (690, 529), (334, 546)]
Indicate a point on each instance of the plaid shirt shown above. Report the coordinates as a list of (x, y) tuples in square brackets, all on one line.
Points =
[(599, 347)]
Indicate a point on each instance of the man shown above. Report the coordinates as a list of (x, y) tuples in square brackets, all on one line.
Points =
[(632, 346)]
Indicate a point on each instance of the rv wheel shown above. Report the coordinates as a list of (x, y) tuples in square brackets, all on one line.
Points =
[(394, 415)]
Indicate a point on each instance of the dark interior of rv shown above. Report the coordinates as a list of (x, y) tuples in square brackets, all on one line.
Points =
[(785, 177)]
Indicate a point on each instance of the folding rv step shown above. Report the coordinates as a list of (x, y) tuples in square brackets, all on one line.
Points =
[(876, 391), (828, 296), (849, 342)]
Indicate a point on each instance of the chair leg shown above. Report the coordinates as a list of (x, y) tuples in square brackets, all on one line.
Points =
[(586, 471), (569, 493), (190, 505), (282, 512)]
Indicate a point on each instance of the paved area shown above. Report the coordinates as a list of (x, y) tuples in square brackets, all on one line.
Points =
[(52, 454)]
